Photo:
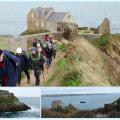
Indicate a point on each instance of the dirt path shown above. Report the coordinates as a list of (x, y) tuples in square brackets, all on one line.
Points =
[(46, 75)]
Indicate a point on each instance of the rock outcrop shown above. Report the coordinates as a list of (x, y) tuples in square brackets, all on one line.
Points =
[(108, 111), (10, 103)]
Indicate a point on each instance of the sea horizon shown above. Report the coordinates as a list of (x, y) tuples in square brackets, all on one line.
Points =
[(87, 14)]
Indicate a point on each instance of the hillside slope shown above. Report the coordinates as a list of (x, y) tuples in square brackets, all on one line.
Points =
[(85, 65)]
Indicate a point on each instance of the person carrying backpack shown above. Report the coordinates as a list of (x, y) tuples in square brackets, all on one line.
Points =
[(24, 64), (49, 53), (9, 68), (35, 42), (37, 62)]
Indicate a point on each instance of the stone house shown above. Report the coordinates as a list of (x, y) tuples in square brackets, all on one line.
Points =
[(47, 19)]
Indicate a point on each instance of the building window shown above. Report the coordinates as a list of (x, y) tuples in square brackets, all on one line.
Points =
[(32, 15), (42, 24), (36, 23)]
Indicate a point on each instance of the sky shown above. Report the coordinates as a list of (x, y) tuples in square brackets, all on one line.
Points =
[(61, 0), (79, 90), (23, 91)]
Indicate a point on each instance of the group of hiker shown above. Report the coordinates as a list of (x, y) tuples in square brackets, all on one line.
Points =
[(40, 55)]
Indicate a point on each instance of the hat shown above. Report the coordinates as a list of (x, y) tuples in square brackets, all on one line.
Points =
[(19, 50), (34, 49), (38, 45)]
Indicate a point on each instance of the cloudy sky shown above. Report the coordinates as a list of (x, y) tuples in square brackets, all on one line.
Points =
[(79, 90), (62, 0), (23, 91)]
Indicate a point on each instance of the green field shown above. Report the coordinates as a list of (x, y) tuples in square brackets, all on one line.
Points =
[(4, 43)]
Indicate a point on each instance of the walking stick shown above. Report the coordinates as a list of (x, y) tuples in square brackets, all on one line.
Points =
[(43, 76)]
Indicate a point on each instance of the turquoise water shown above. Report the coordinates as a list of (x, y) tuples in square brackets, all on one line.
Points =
[(13, 14), (34, 103), (92, 101)]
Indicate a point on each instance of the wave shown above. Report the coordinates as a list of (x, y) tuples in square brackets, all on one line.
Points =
[(33, 109)]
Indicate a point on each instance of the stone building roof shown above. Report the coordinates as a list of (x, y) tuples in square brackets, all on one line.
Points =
[(42, 12), (57, 16)]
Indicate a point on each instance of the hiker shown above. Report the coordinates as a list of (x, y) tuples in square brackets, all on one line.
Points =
[(41, 50), (35, 43), (24, 65), (54, 44), (37, 62), (49, 53), (9, 67), (47, 39), (51, 37)]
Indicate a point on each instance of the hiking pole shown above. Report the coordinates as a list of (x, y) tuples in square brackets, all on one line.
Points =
[(43, 76)]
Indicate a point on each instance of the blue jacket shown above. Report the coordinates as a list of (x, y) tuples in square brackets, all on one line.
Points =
[(24, 61), (11, 67)]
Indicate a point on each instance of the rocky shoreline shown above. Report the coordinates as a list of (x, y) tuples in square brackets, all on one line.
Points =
[(58, 110), (10, 103)]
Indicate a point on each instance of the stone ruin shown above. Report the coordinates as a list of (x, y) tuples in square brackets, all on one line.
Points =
[(104, 27)]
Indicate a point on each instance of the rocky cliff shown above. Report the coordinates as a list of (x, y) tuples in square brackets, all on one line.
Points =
[(10, 103), (108, 111)]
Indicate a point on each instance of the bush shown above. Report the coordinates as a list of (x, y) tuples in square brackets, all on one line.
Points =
[(63, 47), (72, 78), (102, 41)]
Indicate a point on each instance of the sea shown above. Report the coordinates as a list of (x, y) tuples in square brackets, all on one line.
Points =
[(34, 103), (13, 15), (81, 101)]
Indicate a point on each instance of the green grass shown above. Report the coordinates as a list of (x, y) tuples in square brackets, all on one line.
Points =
[(60, 65), (102, 41), (4, 43), (8, 100), (63, 47), (72, 78)]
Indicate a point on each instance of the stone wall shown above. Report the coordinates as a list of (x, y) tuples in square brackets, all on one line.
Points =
[(28, 39)]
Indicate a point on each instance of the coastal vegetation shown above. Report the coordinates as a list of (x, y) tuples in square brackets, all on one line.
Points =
[(4, 42), (102, 41)]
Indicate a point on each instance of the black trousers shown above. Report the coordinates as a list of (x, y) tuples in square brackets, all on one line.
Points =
[(37, 73), (26, 73)]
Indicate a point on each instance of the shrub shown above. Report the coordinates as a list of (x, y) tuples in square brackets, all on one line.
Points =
[(102, 41), (72, 78), (63, 47)]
